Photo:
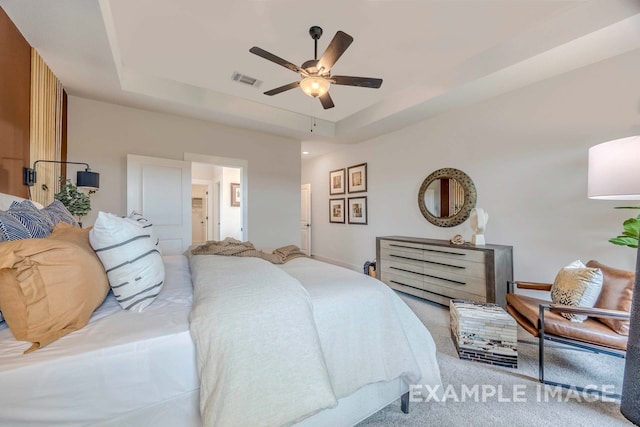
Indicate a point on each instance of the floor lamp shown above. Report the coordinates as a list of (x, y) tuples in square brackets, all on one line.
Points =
[(614, 175)]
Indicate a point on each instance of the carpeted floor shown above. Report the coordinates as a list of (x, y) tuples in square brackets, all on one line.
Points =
[(506, 396)]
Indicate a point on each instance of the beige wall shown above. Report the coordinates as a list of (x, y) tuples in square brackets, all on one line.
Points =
[(526, 151), (102, 134)]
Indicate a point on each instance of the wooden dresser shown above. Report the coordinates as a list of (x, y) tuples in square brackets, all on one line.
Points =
[(439, 271)]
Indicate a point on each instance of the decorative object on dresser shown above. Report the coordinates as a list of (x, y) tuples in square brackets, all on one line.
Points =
[(478, 219), (438, 270), (336, 211), (446, 197), (484, 333), (357, 178), (358, 210), (336, 182)]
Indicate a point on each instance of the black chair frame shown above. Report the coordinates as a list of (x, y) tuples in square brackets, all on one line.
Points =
[(576, 344), (573, 344)]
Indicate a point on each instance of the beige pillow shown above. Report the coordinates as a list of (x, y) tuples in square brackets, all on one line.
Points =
[(577, 285), (50, 287)]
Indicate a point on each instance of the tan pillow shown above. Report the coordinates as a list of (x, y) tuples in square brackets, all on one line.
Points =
[(50, 287), (577, 285), (616, 294)]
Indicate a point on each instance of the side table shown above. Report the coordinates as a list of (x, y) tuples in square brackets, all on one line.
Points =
[(484, 332)]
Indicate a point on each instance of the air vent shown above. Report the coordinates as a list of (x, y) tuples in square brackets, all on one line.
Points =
[(243, 78)]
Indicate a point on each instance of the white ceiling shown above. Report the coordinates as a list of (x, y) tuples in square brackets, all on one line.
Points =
[(178, 56)]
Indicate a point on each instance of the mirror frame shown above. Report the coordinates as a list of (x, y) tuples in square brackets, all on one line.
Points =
[(470, 197)]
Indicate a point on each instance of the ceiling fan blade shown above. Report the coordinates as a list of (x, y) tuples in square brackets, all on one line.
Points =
[(273, 58), (336, 48), (357, 81), (282, 89), (326, 101)]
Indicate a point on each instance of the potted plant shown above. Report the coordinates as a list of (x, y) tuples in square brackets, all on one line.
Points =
[(631, 231), (76, 202)]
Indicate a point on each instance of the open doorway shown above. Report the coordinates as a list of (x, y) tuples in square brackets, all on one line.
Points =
[(219, 213)]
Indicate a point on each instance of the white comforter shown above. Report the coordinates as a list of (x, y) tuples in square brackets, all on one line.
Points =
[(276, 344)]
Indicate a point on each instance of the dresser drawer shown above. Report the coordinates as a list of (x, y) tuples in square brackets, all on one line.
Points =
[(402, 247), (454, 266), (453, 253)]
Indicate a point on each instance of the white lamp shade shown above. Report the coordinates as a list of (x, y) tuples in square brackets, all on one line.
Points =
[(614, 170)]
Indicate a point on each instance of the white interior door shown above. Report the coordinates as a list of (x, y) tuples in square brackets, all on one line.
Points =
[(305, 220), (160, 189), (199, 211)]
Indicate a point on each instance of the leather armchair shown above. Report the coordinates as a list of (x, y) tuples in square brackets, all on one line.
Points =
[(606, 329)]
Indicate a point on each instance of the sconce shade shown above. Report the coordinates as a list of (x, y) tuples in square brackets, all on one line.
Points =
[(88, 179), (613, 170)]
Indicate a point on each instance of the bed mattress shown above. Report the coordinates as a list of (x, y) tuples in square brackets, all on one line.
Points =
[(120, 364)]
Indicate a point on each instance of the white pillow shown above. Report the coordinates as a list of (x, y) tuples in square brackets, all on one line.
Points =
[(144, 223), (577, 285), (133, 264)]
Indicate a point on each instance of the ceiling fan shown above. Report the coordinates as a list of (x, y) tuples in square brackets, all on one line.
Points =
[(316, 73)]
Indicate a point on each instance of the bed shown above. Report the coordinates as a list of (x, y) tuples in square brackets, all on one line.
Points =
[(128, 368)]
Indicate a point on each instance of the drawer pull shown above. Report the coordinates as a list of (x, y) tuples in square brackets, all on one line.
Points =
[(420, 289), (429, 262), (428, 250), (428, 275)]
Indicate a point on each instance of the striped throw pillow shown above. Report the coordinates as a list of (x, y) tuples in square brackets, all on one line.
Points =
[(11, 228), (35, 221), (133, 264), (143, 222)]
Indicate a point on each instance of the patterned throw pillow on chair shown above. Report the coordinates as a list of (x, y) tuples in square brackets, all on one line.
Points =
[(577, 285)]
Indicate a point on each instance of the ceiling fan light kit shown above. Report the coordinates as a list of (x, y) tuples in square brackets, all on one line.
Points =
[(315, 73), (314, 86)]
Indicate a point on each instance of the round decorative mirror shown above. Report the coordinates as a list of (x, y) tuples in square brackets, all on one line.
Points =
[(446, 197)]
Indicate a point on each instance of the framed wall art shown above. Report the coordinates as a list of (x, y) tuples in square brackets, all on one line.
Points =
[(235, 194), (358, 210), (336, 211), (336, 182), (357, 178)]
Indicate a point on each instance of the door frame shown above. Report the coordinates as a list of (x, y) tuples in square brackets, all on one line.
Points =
[(241, 164)]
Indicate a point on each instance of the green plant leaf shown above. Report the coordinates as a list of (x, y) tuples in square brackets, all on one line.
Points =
[(625, 241)]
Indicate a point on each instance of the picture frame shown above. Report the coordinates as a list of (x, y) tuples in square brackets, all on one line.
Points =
[(235, 194), (336, 211), (358, 210), (357, 178), (336, 182)]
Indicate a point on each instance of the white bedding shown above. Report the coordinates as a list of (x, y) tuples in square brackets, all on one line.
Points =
[(120, 363), (366, 334)]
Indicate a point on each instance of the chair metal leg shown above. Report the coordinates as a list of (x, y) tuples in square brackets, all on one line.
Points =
[(541, 343)]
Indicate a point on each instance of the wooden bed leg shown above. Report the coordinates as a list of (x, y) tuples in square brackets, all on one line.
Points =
[(404, 403)]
